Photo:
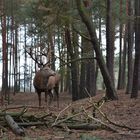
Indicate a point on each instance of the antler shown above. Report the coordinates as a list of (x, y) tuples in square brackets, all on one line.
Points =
[(36, 57)]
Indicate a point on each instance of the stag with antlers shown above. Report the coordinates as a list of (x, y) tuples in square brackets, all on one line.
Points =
[(45, 80)]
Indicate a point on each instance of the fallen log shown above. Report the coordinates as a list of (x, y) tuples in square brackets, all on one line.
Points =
[(13, 114), (26, 124), (87, 127), (14, 126), (22, 106)]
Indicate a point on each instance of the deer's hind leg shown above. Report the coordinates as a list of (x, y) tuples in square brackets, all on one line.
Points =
[(39, 97), (46, 96), (50, 95), (56, 89)]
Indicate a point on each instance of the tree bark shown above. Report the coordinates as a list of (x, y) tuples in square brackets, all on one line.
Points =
[(25, 57), (14, 126), (130, 49), (4, 54), (16, 86), (74, 72), (134, 93), (120, 51), (110, 39), (123, 73)]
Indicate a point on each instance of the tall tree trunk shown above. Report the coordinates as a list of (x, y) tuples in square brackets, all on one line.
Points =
[(52, 49), (87, 78), (60, 54), (83, 71), (16, 60), (111, 92), (120, 51), (4, 54), (8, 59), (134, 93), (74, 72), (100, 44), (19, 58), (130, 49), (123, 66), (110, 39), (91, 77), (10, 53), (25, 57)]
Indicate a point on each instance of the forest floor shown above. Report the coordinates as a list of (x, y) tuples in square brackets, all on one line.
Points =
[(124, 111)]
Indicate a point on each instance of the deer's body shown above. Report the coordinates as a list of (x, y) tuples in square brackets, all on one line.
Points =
[(44, 81)]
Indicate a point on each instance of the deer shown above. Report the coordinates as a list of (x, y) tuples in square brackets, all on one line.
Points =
[(46, 80)]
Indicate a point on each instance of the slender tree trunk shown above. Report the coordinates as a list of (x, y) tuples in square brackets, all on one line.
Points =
[(120, 52), (111, 92), (52, 56), (19, 69), (123, 69), (134, 93), (4, 55), (25, 58), (11, 54), (110, 39), (74, 73), (83, 71), (16, 60), (130, 49), (7, 96), (60, 53), (100, 44)]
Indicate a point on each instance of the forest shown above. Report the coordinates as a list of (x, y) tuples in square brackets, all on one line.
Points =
[(83, 54)]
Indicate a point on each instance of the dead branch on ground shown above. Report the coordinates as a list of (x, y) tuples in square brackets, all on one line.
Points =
[(65, 119)]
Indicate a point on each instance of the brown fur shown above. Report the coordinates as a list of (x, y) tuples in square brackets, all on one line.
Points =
[(44, 81), (53, 81)]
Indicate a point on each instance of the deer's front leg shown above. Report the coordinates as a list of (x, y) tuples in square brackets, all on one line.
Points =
[(51, 96), (46, 96), (39, 98)]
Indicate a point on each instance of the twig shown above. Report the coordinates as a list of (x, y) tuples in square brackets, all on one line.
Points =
[(70, 117), (61, 113), (23, 111), (44, 116), (88, 93), (65, 119), (99, 121)]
